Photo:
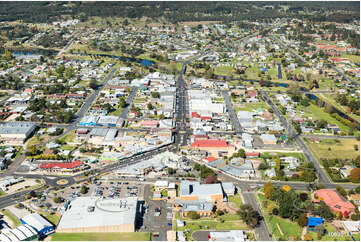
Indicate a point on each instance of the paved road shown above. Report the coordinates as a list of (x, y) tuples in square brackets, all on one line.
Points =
[(125, 111), (232, 114), (279, 71), (323, 178)]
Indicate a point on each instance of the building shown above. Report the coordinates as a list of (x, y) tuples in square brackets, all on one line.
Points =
[(228, 188), (268, 139), (9, 180), (201, 207), (89, 121), (65, 167), (108, 121), (190, 190), (216, 147), (335, 202), (93, 214), (20, 233), (16, 133), (232, 235), (40, 224)]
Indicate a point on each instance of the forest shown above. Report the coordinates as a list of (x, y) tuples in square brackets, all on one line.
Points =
[(181, 11)]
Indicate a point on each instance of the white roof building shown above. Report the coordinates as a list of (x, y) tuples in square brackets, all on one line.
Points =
[(232, 235)]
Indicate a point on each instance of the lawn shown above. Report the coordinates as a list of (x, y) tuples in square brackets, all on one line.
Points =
[(101, 237), (251, 106), (68, 137), (12, 217), (223, 70), (53, 218), (116, 112), (342, 149), (288, 227), (318, 113), (236, 199), (2, 193)]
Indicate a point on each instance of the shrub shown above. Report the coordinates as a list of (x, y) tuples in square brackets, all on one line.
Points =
[(193, 215), (275, 211), (308, 237)]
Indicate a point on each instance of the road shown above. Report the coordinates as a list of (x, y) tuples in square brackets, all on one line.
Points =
[(320, 136), (232, 114), (279, 71), (125, 111), (322, 177)]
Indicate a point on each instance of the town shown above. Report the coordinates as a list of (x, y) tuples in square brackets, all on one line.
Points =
[(120, 125)]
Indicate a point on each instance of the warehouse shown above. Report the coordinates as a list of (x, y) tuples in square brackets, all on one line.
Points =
[(93, 214), (40, 224), (16, 133)]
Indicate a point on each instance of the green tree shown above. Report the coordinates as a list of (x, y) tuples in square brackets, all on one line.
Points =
[(83, 189), (248, 215), (302, 220), (341, 190), (122, 102)]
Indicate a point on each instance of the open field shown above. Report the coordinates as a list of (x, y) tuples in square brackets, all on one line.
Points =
[(100, 237), (342, 149)]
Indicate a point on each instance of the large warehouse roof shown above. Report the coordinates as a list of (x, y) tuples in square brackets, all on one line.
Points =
[(97, 212)]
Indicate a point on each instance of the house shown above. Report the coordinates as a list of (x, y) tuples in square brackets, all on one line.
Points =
[(89, 121), (335, 202), (190, 190), (244, 171), (202, 207), (252, 154), (217, 163), (40, 224)]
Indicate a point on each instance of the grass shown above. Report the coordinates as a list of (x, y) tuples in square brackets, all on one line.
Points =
[(332, 237), (353, 58), (13, 218), (116, 112), (318, 113), (101, 236), (251, 106), (2, 193), (342, 149), (236, 199), (53, 218), (33, 141), (68, 137), (288, 228)]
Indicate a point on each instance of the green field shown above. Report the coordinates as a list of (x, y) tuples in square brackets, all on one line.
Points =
[(236, 199), (353, 58), (100, 237), (116, 112), (318, 113), (342, 149)]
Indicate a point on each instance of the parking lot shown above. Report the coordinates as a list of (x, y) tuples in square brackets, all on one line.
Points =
[(117, 189)]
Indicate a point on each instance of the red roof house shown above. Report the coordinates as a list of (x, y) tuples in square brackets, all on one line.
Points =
[(149, 123), (210, 159), (335, 202)]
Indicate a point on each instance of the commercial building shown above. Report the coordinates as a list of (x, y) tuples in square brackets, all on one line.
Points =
[(94, 214), (190, 190), (65, 167), (216, 147), (16, 133), (40, 224)]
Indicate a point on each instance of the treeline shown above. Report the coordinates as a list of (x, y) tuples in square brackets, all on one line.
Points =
[(179, 11)]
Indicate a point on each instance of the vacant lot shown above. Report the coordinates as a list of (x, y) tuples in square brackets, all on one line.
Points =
[(100, 237), (335, 148)]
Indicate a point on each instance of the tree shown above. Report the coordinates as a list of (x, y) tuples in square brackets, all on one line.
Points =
[(170, 171), (211, 179), (93, 84), (321, 124), (303, 197), (58, 199), (155, 95), (122, 102), (278, 164), (240, 153), (193, 215), (83, 189), (150, 106), (275, 211), (341, 190), (355, 175), (268, 190), (263, 166), (248, 215), (302, 220)]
